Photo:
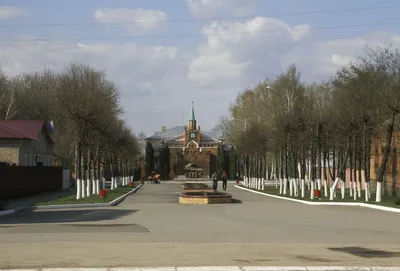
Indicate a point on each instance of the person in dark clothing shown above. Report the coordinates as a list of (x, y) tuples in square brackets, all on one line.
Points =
[(215, 180), (224, 180)]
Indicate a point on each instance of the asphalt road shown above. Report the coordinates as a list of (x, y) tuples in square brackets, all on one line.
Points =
[(150, 229)]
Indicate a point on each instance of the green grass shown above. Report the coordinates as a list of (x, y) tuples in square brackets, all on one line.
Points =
[(387, 201), (71, 199)]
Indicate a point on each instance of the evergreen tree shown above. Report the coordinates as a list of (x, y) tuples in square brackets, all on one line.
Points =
[(149, 163), (233, 167), (161, 163), (220, 160), (167, 156), (137, 173)]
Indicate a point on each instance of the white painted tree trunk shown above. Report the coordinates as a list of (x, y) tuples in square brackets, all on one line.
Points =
[(112, 183), (343, 190), (284, 186), (94, 186), (351, 189), (88, 184), (78, 189), (97, 186), (280, 186), (366, 192), (263, 184), (378, 192), (333, 188), (359, 188), (98, 182), (290, 187), (303, 188), (369, 189), (325, 188), (311, 183), (116, 181), (312, 190), (94, 178), (355, 190), (273, 175), (83, 188)]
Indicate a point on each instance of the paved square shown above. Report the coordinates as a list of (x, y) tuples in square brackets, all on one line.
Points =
[(151, 229)]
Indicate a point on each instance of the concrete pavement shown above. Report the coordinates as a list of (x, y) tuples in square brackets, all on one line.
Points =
[(150, 229), (231, 268)]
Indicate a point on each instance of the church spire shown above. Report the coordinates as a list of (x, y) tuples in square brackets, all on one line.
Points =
[(192, 120), (192, 117)]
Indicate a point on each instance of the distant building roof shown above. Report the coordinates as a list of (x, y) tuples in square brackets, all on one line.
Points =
[(21, 129), (168, 134), (180, 130)]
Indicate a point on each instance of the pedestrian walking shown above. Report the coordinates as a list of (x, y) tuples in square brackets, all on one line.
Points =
[(215, 180), (224, 180)]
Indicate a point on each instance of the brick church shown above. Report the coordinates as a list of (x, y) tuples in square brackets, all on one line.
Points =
[(188, 146)]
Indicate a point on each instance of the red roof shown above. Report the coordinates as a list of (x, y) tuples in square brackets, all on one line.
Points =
[(20, 129)]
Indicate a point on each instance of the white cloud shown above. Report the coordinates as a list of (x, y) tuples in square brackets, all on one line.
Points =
[(10, 12), (210, 8), (321, 59), (148, 19), (158, 83), (255, 51)]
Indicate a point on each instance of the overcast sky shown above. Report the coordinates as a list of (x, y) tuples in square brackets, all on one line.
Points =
[(174, 63)]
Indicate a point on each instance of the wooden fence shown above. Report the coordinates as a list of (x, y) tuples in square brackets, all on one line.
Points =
[(17, 181)]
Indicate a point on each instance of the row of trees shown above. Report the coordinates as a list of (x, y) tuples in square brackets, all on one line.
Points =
[(301, 133), (89, 132)]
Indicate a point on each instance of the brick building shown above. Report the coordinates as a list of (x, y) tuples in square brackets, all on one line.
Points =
[(188, 145), (391, 181), (25, 143)]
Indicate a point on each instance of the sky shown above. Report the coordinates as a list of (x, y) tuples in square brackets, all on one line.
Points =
[(165, 54)]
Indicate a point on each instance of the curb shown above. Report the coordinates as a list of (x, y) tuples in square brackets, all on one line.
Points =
[(225, 268), (354, 204), (72, 206)]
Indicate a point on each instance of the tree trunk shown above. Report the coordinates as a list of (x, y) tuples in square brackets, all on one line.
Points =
[(88, 175), (83, 177), (78, 171), (341, 168), (355, 165), (382, 167)]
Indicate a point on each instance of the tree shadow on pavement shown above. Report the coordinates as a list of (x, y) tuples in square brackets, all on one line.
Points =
[(366, 252), (236, 201), (64, 216)]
